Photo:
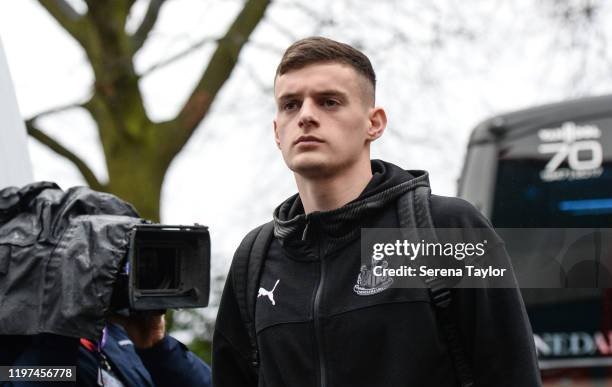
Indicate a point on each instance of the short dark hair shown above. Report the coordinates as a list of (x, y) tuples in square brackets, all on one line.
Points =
[(317, 49)]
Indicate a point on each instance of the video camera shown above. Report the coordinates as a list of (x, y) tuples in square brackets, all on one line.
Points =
[(68, 258), (166, 267)]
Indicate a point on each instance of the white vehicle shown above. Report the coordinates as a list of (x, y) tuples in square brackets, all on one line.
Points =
[(15, 167)]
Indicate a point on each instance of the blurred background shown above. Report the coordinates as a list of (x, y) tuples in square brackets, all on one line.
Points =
[(169, 104)]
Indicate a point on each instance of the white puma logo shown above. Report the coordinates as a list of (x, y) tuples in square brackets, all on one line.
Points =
[(268, 293)]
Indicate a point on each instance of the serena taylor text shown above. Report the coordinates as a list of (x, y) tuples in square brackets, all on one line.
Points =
[(424, 271)]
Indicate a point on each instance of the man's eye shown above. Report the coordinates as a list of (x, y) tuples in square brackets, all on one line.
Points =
[(330, 103), (291, 105)]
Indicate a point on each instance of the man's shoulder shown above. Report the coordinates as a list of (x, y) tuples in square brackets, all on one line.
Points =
[(453, 212)]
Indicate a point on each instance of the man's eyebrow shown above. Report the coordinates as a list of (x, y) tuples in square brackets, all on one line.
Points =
[(287, 96), (322, 93), (332, 93)]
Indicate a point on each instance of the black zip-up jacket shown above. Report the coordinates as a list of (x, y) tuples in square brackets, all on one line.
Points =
[(313, 329)]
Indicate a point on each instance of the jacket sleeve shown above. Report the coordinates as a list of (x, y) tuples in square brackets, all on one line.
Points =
[(231, 347), (498, 336), (169, 363)]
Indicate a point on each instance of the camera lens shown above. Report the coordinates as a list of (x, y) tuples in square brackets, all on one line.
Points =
[(157, 268)]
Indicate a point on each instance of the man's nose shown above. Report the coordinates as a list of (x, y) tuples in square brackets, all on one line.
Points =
[(308, 115)]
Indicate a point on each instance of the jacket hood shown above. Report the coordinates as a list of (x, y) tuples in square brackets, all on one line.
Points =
[(292, 225)]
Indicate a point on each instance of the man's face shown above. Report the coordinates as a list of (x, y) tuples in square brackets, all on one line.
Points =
[(324, 118)]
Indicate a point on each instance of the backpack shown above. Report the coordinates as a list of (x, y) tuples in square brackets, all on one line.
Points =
[(414, 215)]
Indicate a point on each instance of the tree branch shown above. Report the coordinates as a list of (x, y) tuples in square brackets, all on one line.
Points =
[(219, 69), (268, 47), (282, 29), (66, 16), (57, 109), (308, 11), (178, 56), (266, 89), (58, 148), (141, 34)]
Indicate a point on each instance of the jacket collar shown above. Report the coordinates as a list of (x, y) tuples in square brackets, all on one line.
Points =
[(121, 352), (297, 231)]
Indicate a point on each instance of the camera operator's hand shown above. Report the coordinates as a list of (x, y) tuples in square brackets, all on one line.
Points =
[(145, 329)]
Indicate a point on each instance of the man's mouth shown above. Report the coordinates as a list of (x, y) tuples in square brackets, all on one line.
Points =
[(307, 140)]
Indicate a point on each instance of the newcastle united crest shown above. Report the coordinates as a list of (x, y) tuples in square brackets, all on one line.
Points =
[(369, 284)]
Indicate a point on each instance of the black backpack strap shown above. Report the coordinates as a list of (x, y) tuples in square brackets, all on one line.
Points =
[(415, 218), (246, 270)]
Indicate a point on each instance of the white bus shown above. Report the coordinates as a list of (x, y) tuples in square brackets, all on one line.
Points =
[(15, 167)]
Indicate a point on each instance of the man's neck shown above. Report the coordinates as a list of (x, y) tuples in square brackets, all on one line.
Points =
[(329, 193)]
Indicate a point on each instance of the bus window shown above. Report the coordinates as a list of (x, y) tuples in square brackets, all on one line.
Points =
[(556, 177)]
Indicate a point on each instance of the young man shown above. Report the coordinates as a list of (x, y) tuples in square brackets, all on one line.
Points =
[(313, 325)]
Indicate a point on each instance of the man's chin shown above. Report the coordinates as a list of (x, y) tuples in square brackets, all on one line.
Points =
[(311, 167)]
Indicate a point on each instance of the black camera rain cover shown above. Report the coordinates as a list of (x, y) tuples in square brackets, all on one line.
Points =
[(60, 253)]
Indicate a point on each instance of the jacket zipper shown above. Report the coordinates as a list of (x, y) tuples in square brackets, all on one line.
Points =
[(318, 332), (317, 317)]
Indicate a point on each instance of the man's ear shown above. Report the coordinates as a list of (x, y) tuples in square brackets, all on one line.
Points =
[(276, 138), (378, 123)]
